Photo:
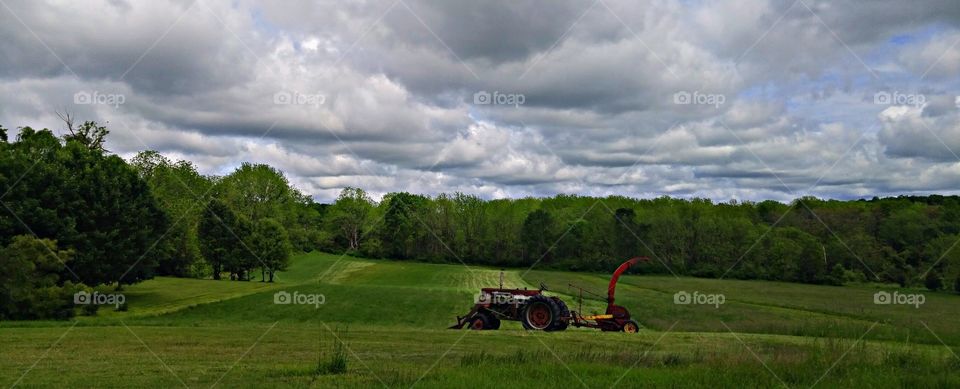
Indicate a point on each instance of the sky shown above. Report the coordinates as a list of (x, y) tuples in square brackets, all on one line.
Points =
[(747, 100)]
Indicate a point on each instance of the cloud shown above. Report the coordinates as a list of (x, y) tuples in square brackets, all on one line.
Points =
[(379, 94)]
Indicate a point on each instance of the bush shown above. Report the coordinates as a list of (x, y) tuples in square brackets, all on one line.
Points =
[(89, 309), (933, 281), (29, 275), (837, 275)]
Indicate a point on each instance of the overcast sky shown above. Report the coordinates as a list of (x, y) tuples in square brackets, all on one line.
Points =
[(745, 100)]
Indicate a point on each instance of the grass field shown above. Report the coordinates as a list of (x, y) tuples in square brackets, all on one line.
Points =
[(391, 317)]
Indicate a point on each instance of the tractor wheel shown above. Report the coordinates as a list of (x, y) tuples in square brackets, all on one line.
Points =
[(494, 322), (541, 313), (631, 327), (561, 322), (479, 321)]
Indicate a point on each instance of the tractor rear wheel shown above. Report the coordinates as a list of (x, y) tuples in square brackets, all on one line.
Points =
[(541, 313), (631, 327), (561, 322)]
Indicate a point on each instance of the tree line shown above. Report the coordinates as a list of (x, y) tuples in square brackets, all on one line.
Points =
[(75, 216), (907, 240)]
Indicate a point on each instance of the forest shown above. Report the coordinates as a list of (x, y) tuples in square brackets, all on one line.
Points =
[(76, 216)]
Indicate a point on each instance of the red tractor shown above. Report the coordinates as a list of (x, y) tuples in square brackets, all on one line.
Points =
[(537, 311)]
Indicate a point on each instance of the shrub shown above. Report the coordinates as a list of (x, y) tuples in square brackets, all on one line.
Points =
[(933, 281), (29, 273), (89, 309)]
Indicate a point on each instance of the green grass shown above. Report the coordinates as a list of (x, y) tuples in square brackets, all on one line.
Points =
[(775, 307), (382, 324)]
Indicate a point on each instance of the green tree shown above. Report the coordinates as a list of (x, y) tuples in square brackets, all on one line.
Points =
[(933, 281), (84, 199), (258, 191), (116, 218), (628, 233), (181, 192), (89, 134), (269, 242), (348, 215), (538, 236), (29, 280), (220, 235), (401, 228)]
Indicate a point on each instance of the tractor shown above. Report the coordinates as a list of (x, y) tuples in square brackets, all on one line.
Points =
[(537, 311)]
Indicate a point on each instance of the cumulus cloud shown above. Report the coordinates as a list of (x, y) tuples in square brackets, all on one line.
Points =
[(749, 100)]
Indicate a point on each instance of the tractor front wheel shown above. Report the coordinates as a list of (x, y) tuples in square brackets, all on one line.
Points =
[(478, 322), (631, 327), (483, 321), (494, 322)]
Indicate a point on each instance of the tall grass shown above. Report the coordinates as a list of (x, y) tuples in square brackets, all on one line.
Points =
[(335, 362)]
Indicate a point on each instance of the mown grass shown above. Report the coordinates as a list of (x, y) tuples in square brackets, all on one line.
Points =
[(286, 355), (201, 333), (775, 307)]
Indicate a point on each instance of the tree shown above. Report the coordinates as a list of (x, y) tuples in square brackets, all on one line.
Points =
[(270, 244), (537, 236), (89, 134), (837, 275), (220, 234), (116, 218), (933, 281), (259, 191), (627, 233), (401, 232), (470, 213), (181, 192), (349, 215), (29, 280), (86, 200)]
